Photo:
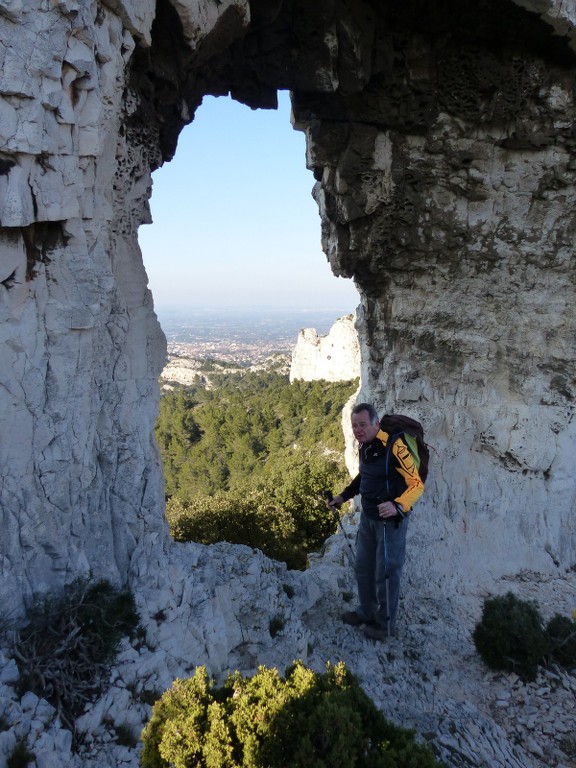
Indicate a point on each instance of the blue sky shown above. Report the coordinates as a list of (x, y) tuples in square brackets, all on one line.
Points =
[(235, 224)]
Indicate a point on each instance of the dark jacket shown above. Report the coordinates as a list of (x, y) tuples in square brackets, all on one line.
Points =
[(385, 475)]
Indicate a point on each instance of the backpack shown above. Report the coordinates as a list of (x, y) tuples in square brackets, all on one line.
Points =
[(412, 432)]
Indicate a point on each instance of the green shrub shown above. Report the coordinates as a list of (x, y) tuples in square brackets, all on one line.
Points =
[(561, 637), (511, 636), (250, 518), (308, 719), (65, 650), (284, 515), (296, 480)]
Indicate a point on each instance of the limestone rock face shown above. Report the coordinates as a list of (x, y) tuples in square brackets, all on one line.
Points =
[(81, 348), (450, 198), (334, 357), (440, 135)]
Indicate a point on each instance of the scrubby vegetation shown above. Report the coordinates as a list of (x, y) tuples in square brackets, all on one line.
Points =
[(511, 636), (247, 460), (306, 720), (561, 636), (20, 757), (65, 650)]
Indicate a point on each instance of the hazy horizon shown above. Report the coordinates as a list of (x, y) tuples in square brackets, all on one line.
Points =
[(247, 308), (244, 321)]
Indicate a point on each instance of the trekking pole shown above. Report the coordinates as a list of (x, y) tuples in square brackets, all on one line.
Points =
[(329, 496), (386, 580)]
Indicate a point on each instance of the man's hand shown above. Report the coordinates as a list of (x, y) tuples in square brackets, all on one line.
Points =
[(334, 503), (387, 509)]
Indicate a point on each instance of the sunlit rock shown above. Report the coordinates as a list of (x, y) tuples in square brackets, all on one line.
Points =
[(333, 357)]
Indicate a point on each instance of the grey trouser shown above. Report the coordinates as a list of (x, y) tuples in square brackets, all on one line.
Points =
[(373, 553)]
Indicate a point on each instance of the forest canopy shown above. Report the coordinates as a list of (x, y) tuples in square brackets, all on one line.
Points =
[(247, 458)]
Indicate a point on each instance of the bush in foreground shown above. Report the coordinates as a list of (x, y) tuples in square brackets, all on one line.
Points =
[(305, 720)]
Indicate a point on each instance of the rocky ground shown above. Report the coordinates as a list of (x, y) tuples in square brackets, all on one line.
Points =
[(231, 608)]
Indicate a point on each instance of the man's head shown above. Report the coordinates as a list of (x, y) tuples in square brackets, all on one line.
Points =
[(365, 422)]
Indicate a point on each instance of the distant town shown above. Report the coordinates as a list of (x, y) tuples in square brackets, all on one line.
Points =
[(244, 338), (231, 350)]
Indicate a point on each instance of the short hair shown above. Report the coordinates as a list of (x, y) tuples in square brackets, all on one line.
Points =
[(372, 412)]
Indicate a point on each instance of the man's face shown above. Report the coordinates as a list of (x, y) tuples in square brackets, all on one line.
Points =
[(363, 429)]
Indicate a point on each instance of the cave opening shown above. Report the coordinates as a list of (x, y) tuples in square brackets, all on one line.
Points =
[(236, 269)]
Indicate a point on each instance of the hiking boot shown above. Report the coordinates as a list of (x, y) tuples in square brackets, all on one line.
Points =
[(354, 619), (377, 632)]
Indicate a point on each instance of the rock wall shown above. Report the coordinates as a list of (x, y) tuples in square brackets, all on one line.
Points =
[(440, 135), (449, 195), (81, 350), (334, 357)]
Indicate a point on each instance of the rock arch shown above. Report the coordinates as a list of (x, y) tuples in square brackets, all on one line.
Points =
[(441, 139)]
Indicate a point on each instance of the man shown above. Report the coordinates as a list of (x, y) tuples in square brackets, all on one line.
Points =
[(388, 485)]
